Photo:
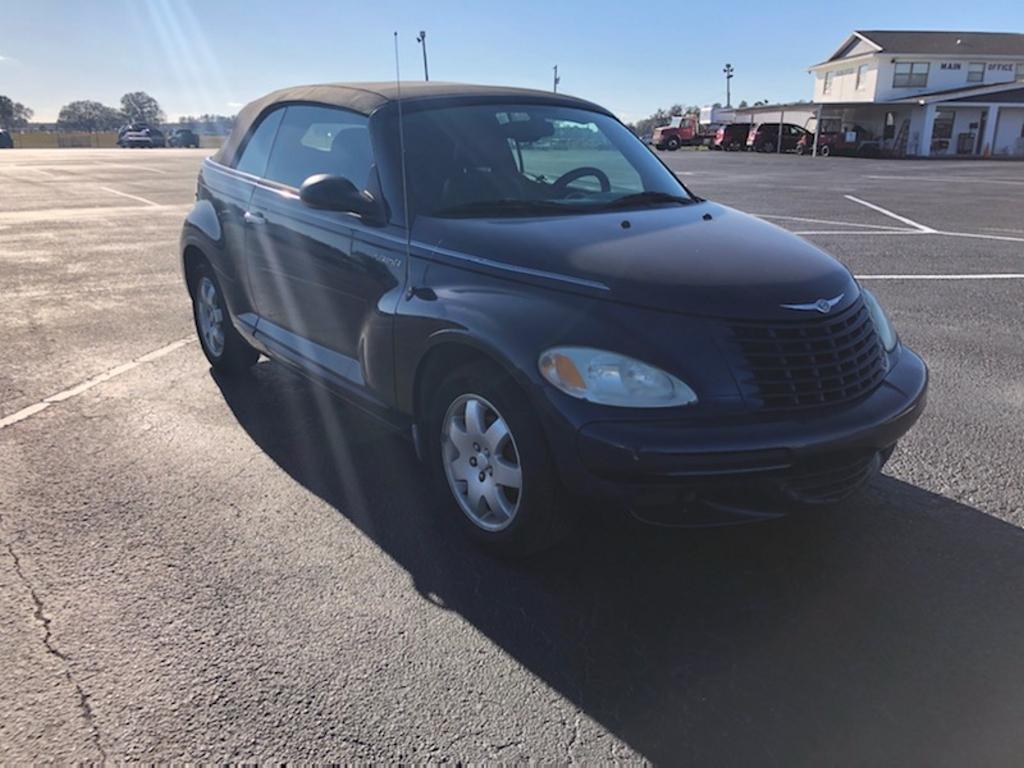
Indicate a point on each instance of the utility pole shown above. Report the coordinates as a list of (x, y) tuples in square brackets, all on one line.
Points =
[(728, 70), (557, 79), (422, 40)]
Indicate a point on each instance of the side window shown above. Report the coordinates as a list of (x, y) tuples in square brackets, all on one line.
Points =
[(315, 140), (257, 149)]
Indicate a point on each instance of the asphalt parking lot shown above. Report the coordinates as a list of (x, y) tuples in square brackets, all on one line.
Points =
[(198, 569)]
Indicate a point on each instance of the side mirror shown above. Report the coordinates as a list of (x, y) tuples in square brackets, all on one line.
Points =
[(336, 193)]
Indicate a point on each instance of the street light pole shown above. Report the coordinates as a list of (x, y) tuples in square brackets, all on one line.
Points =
[(557, 80), (728, 70), (422, 40)]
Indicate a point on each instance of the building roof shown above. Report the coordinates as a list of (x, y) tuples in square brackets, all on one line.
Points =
[(988, 92), (365, 98), (910, 42), (966, 43)]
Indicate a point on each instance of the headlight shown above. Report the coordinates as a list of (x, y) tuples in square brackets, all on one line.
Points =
[(612, 379), (882, 325)]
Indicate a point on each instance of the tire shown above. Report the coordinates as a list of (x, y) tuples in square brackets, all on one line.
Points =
[(672, 144), (801, 150), (767, 147), (825, 151), (223, 346), (527, 519)]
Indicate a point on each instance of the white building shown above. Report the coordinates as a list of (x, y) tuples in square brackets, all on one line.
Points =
[(926, 93)]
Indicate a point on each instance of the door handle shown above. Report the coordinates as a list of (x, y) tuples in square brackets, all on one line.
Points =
[(254, 218)]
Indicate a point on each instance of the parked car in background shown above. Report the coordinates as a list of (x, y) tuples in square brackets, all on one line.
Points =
[(764, 137), (140, 135), (183, 137), (857, 142), (542, 307), (731, 137), (6, 141)]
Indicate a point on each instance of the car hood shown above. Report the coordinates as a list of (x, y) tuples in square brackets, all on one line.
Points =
[(703, 259)]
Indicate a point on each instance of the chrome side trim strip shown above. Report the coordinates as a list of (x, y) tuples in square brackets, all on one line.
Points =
[(500, 265), (342, 366)]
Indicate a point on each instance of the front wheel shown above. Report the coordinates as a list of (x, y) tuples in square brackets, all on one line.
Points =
[(223, 346), (492, 462), (672, 144)]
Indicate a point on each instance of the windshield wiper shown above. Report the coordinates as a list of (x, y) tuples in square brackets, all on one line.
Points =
[(650, 198), (506, 207)]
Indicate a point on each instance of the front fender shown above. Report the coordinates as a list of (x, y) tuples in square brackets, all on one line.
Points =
[(513, 323)]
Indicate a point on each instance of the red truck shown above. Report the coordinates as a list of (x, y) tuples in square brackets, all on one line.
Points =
[(682, 131)]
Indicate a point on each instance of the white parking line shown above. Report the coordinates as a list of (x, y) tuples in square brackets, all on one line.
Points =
[(861, 232), (74, 214), (88, 384), (946, 178), (1004, 238), (827, 221), (890, 214), (991, 276), (131, 197)]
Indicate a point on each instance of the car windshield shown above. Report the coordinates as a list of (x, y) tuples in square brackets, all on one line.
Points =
[(529, 160)]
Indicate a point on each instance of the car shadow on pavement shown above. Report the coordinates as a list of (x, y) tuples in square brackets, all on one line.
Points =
[(887, 631)]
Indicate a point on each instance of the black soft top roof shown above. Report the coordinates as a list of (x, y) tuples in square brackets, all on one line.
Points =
[(367, 97)]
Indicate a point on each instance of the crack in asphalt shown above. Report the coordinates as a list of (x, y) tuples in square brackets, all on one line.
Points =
[(575, 739), (40, 615)]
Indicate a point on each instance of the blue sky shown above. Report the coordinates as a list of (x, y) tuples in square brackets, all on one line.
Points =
[(213, 55)]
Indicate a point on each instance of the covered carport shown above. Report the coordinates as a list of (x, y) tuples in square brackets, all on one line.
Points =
[(798, 113)]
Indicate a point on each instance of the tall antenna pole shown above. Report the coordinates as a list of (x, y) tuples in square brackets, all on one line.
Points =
[(728, 70), (557, 80), (422, 40)]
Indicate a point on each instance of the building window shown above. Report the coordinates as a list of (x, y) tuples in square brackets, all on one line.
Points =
[(976, 72), (910, 74), (862, 73), (826, 87)]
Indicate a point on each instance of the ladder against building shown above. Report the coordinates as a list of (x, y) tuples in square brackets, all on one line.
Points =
[(899, 147)]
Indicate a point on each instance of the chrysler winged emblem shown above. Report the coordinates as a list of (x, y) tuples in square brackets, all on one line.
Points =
[(821, 305)]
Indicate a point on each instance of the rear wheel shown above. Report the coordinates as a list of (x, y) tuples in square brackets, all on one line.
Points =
[(825, 150), (223, 346), (492, 462)]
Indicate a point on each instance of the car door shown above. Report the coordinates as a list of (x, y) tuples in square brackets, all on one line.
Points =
[(323, 280), (229, 191), (792, 136)]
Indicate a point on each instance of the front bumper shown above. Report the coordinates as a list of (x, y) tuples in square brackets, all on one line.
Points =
[(656, 462)]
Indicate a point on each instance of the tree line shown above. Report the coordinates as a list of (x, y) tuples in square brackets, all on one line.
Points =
[(93, 116)]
